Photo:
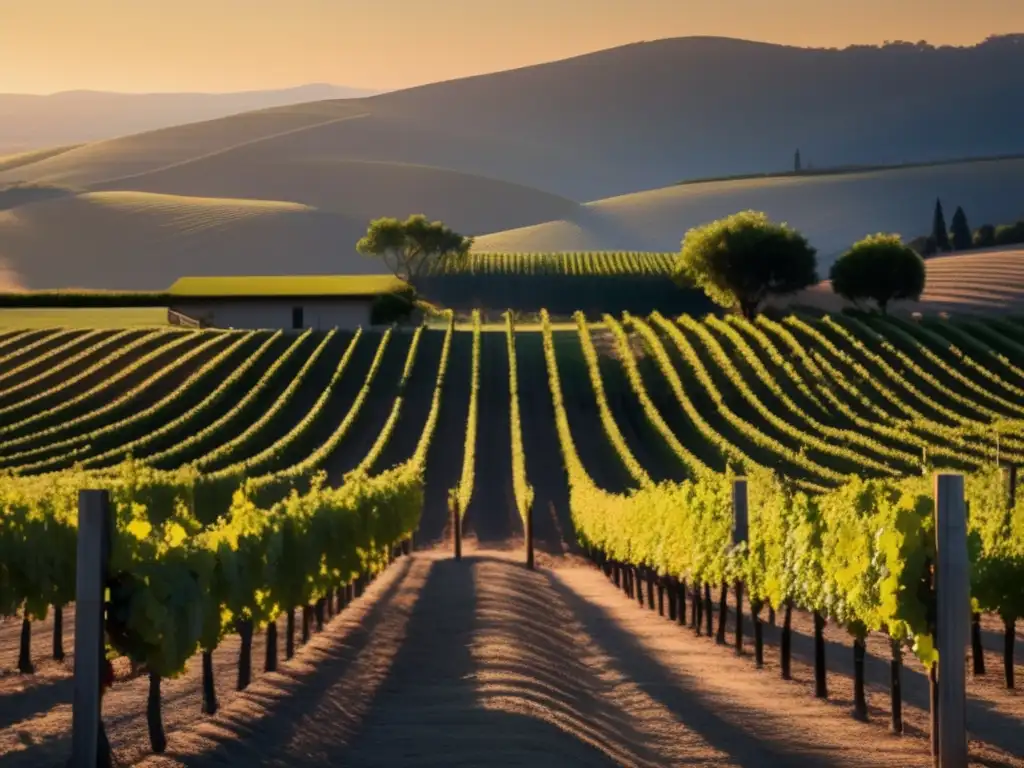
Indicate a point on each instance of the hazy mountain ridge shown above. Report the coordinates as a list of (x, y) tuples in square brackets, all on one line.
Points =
[(29, 121)]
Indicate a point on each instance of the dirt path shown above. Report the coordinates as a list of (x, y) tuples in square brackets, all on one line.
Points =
[(481, 662)]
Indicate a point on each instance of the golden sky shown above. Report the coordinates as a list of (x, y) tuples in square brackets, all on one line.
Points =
[(221, 45)]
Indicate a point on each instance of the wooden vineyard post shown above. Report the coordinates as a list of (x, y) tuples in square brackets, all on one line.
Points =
[(1009, 624), (953, 614), (453, 506), (92, 551), (529, 537), (740, 518)]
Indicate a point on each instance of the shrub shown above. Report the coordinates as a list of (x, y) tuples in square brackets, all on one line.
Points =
[(879, 267)]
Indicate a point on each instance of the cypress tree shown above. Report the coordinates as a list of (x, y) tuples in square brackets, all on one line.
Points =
[(939, 232), (959, 231)]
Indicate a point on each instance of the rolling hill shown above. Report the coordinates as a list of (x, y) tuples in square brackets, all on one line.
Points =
[(507, 156), (140, 240), (36, 121), (832, 210)]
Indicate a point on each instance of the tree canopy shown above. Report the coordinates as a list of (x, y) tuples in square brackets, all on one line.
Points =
[(741, 260), (879, 267), (409, 247), (939, 233), (960, 231)]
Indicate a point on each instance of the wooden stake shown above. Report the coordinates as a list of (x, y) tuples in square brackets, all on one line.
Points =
[(740, 535), (529, 538), (90, 578), (952, 594), (456, 528)]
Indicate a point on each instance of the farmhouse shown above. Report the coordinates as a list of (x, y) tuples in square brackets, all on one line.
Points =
[(281, 301)]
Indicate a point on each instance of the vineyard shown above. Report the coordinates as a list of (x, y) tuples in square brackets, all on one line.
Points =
[(590, 281), (260, 480)]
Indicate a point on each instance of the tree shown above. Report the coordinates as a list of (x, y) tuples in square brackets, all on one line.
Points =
[(985, 236), (743, 259), (409, 247), (939, 232), (796, 162), (959, 231), (879, 267)]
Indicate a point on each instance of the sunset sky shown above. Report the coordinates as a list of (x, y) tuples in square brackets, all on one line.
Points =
[(221, 45)]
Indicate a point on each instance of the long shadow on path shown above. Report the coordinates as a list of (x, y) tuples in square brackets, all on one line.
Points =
[(429, 711), (683, 696)]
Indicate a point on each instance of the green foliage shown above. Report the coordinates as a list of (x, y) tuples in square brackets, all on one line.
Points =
[(177, 586), (409, 247), (960, 231), (859, 554), (881, 268), (742, 260)]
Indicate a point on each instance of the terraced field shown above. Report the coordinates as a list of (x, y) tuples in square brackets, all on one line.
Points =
[(619, 437)]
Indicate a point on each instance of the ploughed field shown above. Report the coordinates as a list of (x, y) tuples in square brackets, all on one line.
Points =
[(621, 434)]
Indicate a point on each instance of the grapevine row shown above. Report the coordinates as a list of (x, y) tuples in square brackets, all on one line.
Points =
[(611, 428), (464, 490), (520, 484)]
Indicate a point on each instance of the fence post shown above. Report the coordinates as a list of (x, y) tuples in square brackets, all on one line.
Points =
[(952, 596), (529, 537), (92, 551), (739, 536)]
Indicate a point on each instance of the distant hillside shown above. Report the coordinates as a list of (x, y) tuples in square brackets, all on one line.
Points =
[(832, 210), (31, 121), (651, 114)]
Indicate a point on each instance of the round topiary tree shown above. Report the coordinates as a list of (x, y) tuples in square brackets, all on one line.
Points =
[(741, 260), (879, 267)]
